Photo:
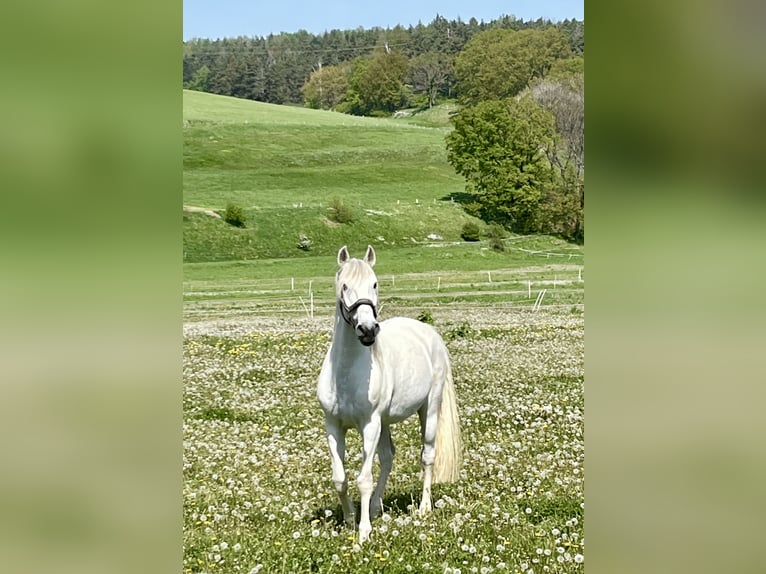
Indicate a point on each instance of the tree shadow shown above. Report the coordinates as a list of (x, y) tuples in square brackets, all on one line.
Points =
[(461, 197)]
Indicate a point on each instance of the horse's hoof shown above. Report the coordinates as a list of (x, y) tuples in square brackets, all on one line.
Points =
[(425, 507), (364, 533)]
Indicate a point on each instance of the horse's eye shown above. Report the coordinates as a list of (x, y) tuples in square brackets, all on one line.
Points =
[(375, 286), (344, 288)]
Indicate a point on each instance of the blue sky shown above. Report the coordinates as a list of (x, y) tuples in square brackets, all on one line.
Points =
[(230, 18)]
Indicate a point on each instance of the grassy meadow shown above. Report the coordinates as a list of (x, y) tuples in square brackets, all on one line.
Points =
[(257, 489), (283, 165)]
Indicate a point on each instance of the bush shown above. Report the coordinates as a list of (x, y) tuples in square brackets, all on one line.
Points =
[(304, 243), (426, 317), (234, 215), (462, 331), (470, 231), (340, 212), (496, 234)]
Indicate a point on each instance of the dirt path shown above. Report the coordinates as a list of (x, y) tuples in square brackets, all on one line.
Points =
[(194, 209)]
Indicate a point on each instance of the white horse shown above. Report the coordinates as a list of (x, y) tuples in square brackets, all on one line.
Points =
[(376, 374)]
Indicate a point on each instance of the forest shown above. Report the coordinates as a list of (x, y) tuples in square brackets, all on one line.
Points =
[(275, 68)]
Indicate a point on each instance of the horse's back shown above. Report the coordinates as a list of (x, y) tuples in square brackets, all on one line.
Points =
[(409, 357), (403, 336)]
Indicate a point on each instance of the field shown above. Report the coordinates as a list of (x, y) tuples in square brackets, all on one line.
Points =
[(284, 165), (257, 493)]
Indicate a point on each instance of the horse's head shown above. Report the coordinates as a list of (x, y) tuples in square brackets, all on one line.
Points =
[(356, 288)]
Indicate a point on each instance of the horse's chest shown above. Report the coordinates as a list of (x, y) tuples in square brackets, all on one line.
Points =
[(348, 399)]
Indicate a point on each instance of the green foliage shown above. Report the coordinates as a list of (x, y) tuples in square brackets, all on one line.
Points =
[(496, 233), (377, 85), (275, 68), (425, 317), (339, 212), (567, 68), (304, 243), (200, 80), (462, 331), (326, 87), (234, 215), (498, 63), (470, 231), (499, 147)]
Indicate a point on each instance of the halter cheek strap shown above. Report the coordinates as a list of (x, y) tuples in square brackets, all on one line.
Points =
[(346, 311)]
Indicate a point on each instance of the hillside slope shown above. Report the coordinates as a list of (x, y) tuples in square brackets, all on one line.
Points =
[(283, 165)]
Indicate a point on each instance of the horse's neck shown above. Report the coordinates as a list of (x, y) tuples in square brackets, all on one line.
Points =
[(346, 348)]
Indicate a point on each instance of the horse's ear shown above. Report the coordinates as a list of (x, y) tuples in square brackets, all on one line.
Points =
[(369, 257), (343, 256)]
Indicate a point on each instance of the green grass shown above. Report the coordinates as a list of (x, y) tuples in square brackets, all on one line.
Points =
[(273, 232), (283, 165), (458, 273), (447, 257), (257, 489), (438, 116)]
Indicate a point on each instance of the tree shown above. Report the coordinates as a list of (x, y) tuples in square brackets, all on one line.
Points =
[(200, 79), (429, 74), (377, 84), (499, 63), (500, 147), (326, 86), (275, 67), (564, 98), (567, 68)]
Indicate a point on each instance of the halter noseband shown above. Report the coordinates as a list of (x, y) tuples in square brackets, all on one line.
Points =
[(346, 311)]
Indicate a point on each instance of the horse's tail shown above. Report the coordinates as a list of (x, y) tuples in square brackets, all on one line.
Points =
[(448, 443)]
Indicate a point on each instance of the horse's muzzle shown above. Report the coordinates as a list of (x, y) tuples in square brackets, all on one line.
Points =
[(367, 333)]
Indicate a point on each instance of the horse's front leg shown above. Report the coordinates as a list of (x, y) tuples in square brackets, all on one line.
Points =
[(370, 438), (336, 439)]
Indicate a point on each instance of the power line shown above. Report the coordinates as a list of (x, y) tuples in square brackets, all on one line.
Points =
[(268, 52)]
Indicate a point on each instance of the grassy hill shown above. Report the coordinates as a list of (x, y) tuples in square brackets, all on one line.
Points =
[(283, 165)]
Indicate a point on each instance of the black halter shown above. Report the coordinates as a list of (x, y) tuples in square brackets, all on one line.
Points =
[(346, 311)]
